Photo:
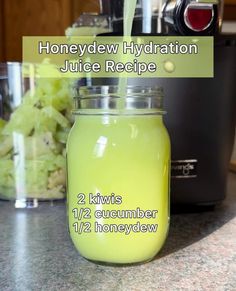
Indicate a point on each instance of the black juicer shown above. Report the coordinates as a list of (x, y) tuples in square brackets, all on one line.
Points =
[(201, 111)]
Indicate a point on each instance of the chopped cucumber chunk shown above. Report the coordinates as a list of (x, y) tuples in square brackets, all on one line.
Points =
[(22, 120)]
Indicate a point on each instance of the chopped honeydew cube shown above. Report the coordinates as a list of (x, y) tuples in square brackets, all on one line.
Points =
[(61, 135), (6, 145), (2, 124), (36, 176), (7, 173), (53, 162), (22, 120), (57, 116), (45, 123), (38, 145)]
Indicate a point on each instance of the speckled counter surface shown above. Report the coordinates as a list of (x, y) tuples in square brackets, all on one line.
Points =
[(36, 253)]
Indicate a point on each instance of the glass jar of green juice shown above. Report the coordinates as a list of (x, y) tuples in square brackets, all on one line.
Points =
[(118, 157)]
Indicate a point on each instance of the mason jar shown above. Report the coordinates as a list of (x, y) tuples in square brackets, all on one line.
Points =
[(35, 118), (118, 167)]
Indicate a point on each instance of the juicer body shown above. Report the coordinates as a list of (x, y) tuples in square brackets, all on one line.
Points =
[(201, 119), (201, 112), (172, 17)]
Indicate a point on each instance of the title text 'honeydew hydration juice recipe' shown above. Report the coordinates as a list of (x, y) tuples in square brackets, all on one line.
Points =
[(118, 156)]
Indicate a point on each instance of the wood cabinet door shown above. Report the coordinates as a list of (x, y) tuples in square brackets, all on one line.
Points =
[(1, 33), (36, 17), (27, 17)]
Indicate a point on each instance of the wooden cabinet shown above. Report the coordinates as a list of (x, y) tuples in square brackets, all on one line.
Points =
[(36, 17), (1, 32), (230, 10), (47, 17)]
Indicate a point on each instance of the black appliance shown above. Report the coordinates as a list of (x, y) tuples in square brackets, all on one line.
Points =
[(201, 111)]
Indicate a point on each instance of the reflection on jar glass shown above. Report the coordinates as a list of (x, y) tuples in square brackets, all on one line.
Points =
[(34, 122), (118, 156)]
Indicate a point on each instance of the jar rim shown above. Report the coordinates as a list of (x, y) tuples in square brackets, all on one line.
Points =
[(130, 90), (110, 99)]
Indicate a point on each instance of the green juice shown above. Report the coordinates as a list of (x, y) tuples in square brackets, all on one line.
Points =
[(118, 187), (129, 12)]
